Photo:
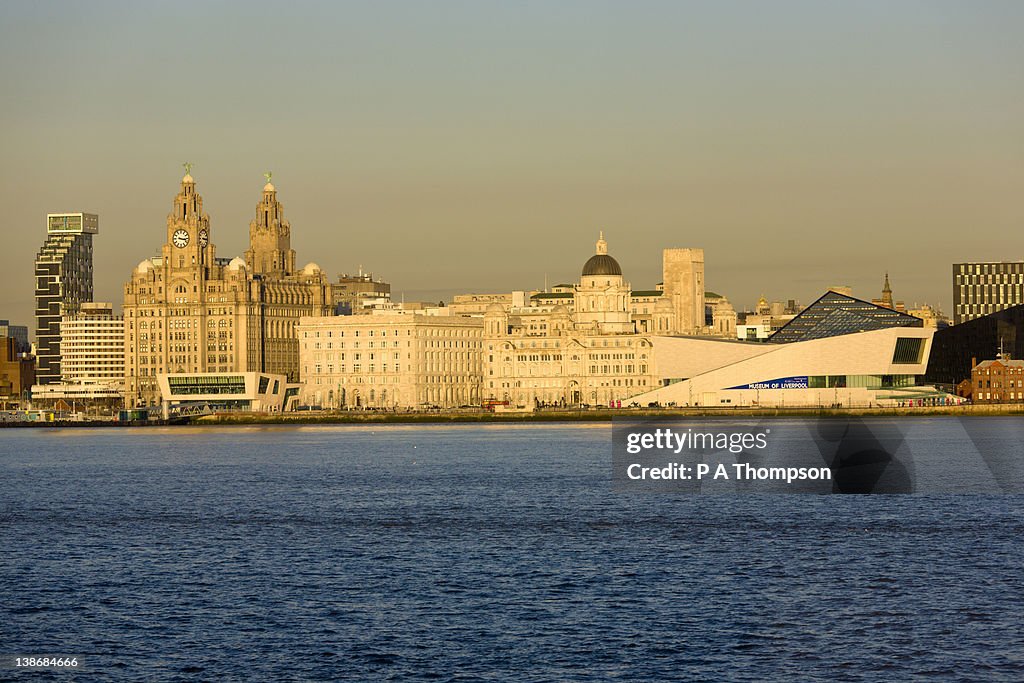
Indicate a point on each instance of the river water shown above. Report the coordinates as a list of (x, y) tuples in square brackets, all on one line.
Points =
[(484, 552)]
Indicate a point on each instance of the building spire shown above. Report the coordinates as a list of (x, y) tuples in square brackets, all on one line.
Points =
[(602, 246), (270, 251), (887, 292)]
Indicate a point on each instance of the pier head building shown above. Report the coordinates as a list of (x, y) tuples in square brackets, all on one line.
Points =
[(583, 343), (579, 344), (188, 310)]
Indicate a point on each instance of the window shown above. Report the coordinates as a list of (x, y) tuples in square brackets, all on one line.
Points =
[(908, 351)]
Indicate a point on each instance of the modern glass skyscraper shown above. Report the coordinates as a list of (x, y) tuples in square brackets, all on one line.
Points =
[(983, 288), (63, 283)]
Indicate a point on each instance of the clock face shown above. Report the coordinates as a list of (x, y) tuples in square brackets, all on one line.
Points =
[(204, 237), (180, 238)]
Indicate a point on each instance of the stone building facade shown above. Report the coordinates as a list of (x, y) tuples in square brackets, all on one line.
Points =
[(391, 360), (188, 310), (683, 285), (571, 347)]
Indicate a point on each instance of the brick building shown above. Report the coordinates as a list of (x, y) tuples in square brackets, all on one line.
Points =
[(998, 381)]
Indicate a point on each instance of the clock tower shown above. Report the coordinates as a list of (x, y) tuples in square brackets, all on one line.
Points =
[(189, 313), (188, 230), (270, 237)]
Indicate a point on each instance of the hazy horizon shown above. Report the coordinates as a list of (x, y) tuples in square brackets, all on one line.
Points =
[(480, 147)]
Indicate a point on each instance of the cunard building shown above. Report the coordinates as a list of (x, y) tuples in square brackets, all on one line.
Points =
[(190, 311)]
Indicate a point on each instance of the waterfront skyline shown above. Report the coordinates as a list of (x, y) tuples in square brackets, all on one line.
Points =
[(466, 148)]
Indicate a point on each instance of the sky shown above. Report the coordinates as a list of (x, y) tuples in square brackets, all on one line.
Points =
[(480, 146)]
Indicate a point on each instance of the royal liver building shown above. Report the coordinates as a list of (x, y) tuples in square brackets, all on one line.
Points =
[(188, 310)]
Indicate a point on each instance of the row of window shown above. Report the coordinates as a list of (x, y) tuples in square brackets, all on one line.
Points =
[(998, 371), (989, 384), (420, 332), (615, 342), (358, 368), (991, 268), (989, 396), (355, 345), (448, 380), (560, 384)]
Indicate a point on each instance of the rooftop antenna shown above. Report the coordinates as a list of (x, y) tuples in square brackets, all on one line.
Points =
[(545, 282)]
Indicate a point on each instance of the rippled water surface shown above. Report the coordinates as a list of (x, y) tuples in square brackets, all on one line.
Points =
[(479, 553)]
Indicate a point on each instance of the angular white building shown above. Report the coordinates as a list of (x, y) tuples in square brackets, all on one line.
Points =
[(863, 369), (245, 391), (838, 352)]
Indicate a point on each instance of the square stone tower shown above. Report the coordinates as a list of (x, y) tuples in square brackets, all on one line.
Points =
[(683, 277)]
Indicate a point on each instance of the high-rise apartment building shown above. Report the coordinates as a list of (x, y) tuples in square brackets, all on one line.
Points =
[(92, 346), (63, 282), (983, 288)]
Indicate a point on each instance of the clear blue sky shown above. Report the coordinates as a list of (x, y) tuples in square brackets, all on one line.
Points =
[(477, 146)]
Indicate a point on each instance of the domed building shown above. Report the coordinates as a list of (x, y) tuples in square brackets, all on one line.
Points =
[(602, 296), (190, 311), (573, 345)]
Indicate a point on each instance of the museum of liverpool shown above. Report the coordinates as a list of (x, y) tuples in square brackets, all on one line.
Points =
[(839, 352)]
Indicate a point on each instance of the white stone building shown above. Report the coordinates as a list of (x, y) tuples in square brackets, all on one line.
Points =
[(873, 368), (683, 287), (391, 360), (571, 346)]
